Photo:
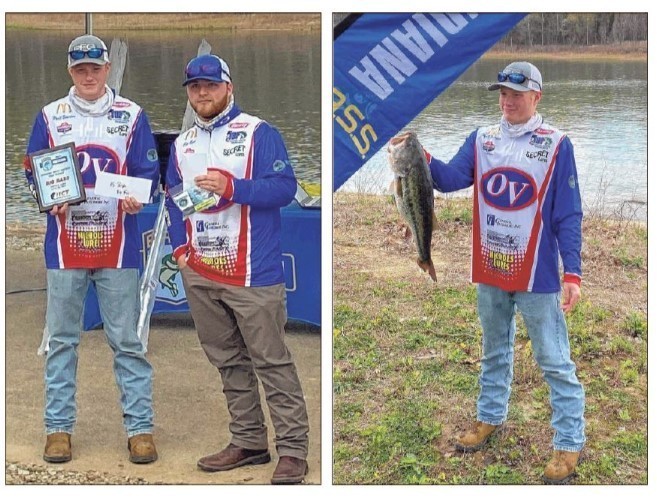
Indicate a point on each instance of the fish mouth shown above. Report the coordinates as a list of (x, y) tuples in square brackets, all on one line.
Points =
[(394, 141)]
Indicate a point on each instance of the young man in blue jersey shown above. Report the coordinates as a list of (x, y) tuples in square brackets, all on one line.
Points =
[(527, 213), (96, 241), (231, 262)]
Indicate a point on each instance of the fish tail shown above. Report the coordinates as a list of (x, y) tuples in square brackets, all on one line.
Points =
[(428, 267)]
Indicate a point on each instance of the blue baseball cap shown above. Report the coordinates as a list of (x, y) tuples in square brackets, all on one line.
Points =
[(207, 67)]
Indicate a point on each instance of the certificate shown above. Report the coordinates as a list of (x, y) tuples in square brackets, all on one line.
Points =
[(57, 177)]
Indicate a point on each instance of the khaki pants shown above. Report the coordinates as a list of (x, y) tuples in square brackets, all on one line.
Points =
[(241, 330)]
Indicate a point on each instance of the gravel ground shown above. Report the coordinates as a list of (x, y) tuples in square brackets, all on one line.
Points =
[(18, 473)]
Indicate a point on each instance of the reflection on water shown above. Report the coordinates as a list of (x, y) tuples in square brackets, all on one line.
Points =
[(276, 77), (602, 106)]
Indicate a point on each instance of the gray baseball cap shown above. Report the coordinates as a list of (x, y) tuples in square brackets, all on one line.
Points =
[(87, 49), (512, 77)]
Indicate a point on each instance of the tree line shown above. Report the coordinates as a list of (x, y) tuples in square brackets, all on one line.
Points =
[(600, 28)]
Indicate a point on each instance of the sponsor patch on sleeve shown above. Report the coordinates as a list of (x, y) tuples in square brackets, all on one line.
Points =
[(151, 155), (571, 181), (279, 165)]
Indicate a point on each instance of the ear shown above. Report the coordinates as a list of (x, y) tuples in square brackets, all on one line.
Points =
[(538, 96), (229, 88)]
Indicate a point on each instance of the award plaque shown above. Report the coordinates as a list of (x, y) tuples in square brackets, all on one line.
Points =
[(57, 177)]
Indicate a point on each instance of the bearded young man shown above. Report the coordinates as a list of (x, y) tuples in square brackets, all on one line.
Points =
[(231, 263)]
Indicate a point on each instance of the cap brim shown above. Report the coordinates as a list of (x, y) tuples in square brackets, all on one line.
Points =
[(512, 86), (87, 60), (206, 78)]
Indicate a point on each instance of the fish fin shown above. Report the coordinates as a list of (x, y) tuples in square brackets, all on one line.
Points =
[(434, 221), (428, 267), (398, 186)]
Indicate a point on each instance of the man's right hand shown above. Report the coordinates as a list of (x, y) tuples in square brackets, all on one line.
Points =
[(60, 209), (182, 261)]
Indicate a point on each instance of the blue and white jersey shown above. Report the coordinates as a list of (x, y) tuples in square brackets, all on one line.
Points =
[(96, 233), (527, 206), (236, 241)]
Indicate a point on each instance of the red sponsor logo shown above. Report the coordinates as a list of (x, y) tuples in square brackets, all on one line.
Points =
[(121, 104), (238, 125), (64, 127), (189, 150), (543, 131), (489, 146)]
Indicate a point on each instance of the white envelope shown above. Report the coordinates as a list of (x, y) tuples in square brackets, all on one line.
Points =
[(121, 186), (194, 165)]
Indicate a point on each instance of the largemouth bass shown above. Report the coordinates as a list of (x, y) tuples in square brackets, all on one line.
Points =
[(413, 190)]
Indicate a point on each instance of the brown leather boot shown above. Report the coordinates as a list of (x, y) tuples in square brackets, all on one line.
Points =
[(290, 470), (231, 457), (475, 437), (561, 467), (58, 448), (142, 448)]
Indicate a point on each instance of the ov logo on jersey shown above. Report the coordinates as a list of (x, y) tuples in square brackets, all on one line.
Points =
[(508, 189), (94, 158)]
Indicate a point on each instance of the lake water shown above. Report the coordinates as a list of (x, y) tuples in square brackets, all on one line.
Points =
[(601, 105), (276, 77)]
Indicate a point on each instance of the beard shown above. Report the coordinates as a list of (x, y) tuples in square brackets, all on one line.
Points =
[(210, 110)]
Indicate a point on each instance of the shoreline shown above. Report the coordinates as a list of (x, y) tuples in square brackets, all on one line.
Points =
[(166, 21), (635, 51)]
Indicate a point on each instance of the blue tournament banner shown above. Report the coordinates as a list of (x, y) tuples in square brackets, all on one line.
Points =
[(388, 67), (300, 243)]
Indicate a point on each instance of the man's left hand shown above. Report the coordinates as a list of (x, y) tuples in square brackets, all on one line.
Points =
[(571, 293), (213, 181), (131, 205)]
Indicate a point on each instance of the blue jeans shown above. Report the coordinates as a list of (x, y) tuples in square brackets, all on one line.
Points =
[(547, 330), (118, 298)]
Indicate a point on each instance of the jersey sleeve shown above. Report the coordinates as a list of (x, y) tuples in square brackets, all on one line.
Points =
[(458, 173), (142, 160), (567, 212), (273, 183), (39, 140)]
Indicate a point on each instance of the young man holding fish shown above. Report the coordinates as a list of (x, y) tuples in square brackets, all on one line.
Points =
[(527, 214)]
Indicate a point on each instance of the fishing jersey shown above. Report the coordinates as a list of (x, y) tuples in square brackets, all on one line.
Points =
[(527, 207), (236, 241), (96, 233)]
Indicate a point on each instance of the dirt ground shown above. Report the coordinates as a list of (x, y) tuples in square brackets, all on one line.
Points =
[(191, 419)]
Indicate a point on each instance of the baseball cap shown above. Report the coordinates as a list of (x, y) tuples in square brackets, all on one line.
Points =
[(519, 76), (87, 49), (207, 67)]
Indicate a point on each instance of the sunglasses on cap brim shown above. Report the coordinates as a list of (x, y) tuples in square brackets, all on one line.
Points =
[(208, 69), (92, 53), (516, 78)]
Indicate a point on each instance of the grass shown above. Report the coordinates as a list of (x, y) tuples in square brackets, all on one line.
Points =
[(406, 357)]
